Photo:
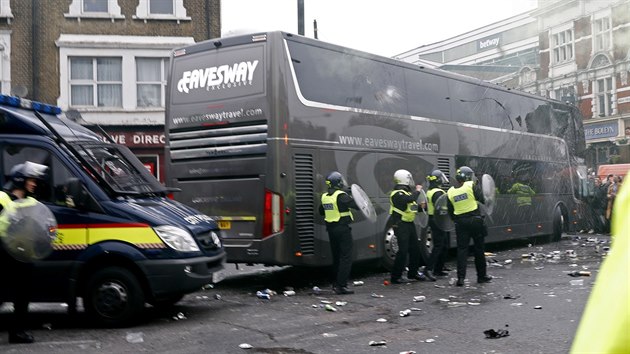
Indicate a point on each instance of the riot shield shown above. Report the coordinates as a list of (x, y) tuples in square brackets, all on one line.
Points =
[(27, 232), (422, 219), (363, 202), (442, 218), (489, 193)]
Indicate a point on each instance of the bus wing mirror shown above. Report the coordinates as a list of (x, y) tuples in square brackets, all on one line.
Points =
[(76, 194)]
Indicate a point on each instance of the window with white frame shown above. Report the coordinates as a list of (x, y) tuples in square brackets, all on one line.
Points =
[(151, 81), (562, 46), (95, 82), (161, 10), (601, 34), (94, 9), (5, 9), (603, 96)]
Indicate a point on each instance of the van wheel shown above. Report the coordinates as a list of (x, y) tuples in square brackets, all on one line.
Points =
[(559, 224), (113, 297)]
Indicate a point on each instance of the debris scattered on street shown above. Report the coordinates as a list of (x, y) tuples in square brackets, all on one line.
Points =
[(377, 295), (135, 337), (217, 296), (577, 282), (430, 340), (261, 295), (405, 313), (245, 346), (538, 307), (330, 308), (289, 293), (492, 334), (374, 343), (381, 320), (419, 298), (329, 335), (341, 303), (179, 316), (580, 273), (516, 304), (512, 297), (316, 290), (358, 283)]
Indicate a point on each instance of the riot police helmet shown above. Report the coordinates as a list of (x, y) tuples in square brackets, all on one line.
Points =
[(464, 174), (21, 172), (335, 180), (437, 178), (404, 177)]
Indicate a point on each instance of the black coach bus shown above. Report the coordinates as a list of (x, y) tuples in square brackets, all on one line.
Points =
[(255, 123)]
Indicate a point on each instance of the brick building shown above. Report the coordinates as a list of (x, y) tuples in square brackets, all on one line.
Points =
[(104, 61), (571, 50)]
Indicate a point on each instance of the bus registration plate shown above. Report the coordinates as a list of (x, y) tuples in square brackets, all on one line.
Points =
[(225, 225)]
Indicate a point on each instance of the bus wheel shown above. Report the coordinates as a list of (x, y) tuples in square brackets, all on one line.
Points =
[(390, 248), (113, 297), (426, 243), (559, 224)]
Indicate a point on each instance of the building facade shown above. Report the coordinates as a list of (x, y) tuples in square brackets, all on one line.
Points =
[(577, 51), (103, 61)]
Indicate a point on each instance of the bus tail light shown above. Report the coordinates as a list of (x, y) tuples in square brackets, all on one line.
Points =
[(273, 220)]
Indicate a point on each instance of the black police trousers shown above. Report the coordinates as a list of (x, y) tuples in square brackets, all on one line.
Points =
[(467, 228), (15, 277), (340, 236), (408, 249), (440, 247)]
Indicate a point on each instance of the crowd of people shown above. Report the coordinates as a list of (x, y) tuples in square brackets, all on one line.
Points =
[(601, 200)]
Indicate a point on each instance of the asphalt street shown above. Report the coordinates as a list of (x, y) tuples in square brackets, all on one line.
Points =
[(533, 299)]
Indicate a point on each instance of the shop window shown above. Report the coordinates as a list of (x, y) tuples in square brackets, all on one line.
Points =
[(562, 46), (151, 81), (95, 82)]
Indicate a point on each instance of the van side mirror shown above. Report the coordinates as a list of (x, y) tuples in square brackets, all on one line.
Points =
[(76, 194)]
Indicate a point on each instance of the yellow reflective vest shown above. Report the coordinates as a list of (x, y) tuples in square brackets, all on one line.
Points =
[(8, 205), (408, 214), (523, 194), (430, 206), (605, 323), (331, 208), (462, 198)]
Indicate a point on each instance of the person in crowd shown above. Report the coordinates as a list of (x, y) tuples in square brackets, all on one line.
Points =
[(469, 223), (611, 193), (435, 266), (403, 209), (17, 275), (335, 207), (606, 318), (599, 203)]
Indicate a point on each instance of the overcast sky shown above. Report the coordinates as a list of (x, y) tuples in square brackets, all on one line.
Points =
[(385, 27)]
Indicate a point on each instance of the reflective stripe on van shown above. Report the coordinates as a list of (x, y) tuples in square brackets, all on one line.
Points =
[(77, 237)]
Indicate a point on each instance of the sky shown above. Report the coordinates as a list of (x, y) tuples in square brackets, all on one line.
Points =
[(383, 27)]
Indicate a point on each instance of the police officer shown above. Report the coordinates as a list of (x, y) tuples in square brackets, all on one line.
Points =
[(440, 238), (403, 209), (335, 207), (22, 184), (469, 223)]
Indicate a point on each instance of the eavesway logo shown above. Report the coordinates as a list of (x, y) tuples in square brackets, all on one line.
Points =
[(224, 76)]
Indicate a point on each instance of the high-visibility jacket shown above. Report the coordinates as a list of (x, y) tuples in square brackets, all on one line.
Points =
[(331, 208), (462, 198), (8, 205), (605, 323), (523, 194), (409, 213), (430, 206)]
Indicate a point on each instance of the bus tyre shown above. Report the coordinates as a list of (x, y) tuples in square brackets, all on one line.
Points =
[(426, 242), (113, 297), (559, 221), (390, 248)]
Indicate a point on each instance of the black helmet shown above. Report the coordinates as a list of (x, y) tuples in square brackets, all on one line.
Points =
[(464, 174), (335, 180), (19, 173), (437, 178)]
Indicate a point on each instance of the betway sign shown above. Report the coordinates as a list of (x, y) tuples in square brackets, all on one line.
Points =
[(489, 43)]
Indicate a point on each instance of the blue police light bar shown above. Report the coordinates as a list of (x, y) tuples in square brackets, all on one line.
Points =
[(28, 104)]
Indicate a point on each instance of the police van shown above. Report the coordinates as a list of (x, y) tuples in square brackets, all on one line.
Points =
[(121, 242)]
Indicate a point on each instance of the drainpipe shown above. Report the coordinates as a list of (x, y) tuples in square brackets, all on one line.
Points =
[(35, 40)]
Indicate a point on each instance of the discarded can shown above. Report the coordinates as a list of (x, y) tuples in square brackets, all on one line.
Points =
[(381, 320), (217, 296), (289, 293), (430, 340), (316, 290), (405, 313), (374, 343), (538, 307), (358, 283), (580, 273), (508, 261), (330, 308), (377, 295), (245, 346), (385, 282), (419, 298), (261, 295), (341, 303)]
